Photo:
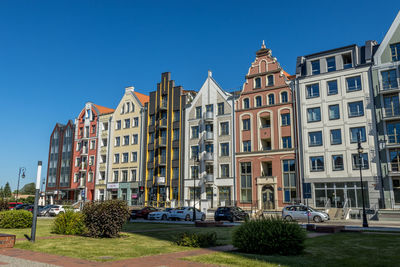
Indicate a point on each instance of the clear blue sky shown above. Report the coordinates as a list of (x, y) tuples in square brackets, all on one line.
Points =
[(56, 55)]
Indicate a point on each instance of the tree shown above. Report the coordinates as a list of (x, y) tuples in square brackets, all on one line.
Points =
[(7, 190), (28, 189), (1, 192)]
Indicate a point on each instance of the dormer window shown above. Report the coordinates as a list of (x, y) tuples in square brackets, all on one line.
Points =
[(347, 61), (395, 49), (315, 69), (331, 64), (257, 83), (270, 80), (246, 103)]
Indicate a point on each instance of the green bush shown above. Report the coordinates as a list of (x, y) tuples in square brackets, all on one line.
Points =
[(197, 240), (15, 219), (105, 219), (269, 236), (69, 223), (3, 204)]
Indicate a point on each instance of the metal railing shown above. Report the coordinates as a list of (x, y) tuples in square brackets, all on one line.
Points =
[(392, 112)]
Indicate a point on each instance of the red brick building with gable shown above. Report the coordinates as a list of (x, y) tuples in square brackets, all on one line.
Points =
[(265, 156)]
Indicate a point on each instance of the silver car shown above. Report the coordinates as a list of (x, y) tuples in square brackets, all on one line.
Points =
[(302, 213)]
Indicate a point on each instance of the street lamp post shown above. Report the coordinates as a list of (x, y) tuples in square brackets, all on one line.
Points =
[(21, 170), (196, 161), (360, 151)]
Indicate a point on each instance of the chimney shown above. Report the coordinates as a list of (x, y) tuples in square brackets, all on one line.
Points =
[(369, 47)]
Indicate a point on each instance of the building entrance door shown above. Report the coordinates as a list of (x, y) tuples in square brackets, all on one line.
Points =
[(268, 197)]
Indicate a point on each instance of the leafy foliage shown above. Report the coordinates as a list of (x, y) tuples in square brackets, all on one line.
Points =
[(15, 219), (7, 190), (28, 189), (3, 204), (197, 239), (69, 223), (270, 236), (105, 219)]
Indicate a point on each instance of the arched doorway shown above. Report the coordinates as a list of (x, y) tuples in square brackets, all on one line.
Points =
[(268, 197)]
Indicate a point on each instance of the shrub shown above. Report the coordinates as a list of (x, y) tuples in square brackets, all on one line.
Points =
[(15, 219), (197, 239), (69, 223), (3, 204), (105, 219), (269, 236)]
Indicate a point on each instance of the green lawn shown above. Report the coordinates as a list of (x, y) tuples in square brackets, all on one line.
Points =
[(43, 229), (344, 249)]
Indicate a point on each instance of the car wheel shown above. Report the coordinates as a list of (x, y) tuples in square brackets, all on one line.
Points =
[(164, 217), (317, 219), (289, 218), (203, 217), (187, 218)]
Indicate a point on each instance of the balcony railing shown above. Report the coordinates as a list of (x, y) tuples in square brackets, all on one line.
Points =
[(392, 84), (84, 150), (393, 139), (82, 182), (163, 141), (163, 160), (209, 178), (394, 167), (209, 136), (83, 165), (209, 116), (209, 156), (392, 112)]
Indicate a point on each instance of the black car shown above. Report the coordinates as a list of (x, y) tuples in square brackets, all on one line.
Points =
[(21, 206), (230, 214)]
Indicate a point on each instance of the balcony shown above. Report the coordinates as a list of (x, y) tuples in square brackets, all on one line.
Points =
[(209, 137), (389, 86), (163, 141), (84, 150), (209, 178), (392, 112), (164, 104), (82, 182), (209, 116), (394, 167), (163, 123), (162, 161), (209, 157), (266, 144), (160, 180), (83, 166)]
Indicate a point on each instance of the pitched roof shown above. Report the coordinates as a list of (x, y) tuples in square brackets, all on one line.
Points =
[(103, 110), (142, 98)]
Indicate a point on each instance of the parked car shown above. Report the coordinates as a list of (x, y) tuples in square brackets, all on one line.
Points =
[(186, 213), (56, 209), (161, 214), (230, 214), (302, 212), (11, 205), (143, 213), (21, 206), (44, 211), (31, 207)]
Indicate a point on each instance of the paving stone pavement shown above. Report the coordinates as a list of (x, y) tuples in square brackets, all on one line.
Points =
[(18, 262)]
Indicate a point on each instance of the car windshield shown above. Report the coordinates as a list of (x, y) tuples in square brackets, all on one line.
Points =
[(224, 209)]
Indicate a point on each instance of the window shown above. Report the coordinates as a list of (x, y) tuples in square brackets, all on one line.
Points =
[(357, 161), (135, 139), (313, 114), (271, 99), (334, 113), (246, 103), (92, 144), (76, 178), (195, 152), (135, 122), (221, 109), (391, 105), (224, 149), (312, 90), (287, 142), (332, 87), (245, 182), (289, 180), (175, 173), (224, 128), (317, 164), (331, 64), (393, 132), (347, 62), (176, 115), (355, 132), (195, 132), (257, 83), (176, 134), (133, 175), (209, 108), (353, 84), (198, 112), (395, 49), (224, 170), (336, 137), (356, 109), (93, 129), (246, 146), (134, 156), (118, 125), (126, 140), (127, 123), (258, 101), (152, 120), (285, 119), (270, 80), (115, 176), (337, 163), (246, 124), (117, 141), (194, 172), (389, 79), (315, 138), (315, 67), (284, 97), (125, 157), (124, 176), (209, 148), (116, 158), (175, 153), (91, 160)]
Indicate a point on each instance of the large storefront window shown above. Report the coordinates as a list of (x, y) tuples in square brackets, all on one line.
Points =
[(337, 195), (396, 189), (245, 182), (289, 180)]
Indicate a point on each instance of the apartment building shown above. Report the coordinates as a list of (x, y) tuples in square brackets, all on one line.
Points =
[(386, 86), (335, 107), (209, 154), (127, 139), (165, 143), (58, 179), (265, 158), (85, 151)]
